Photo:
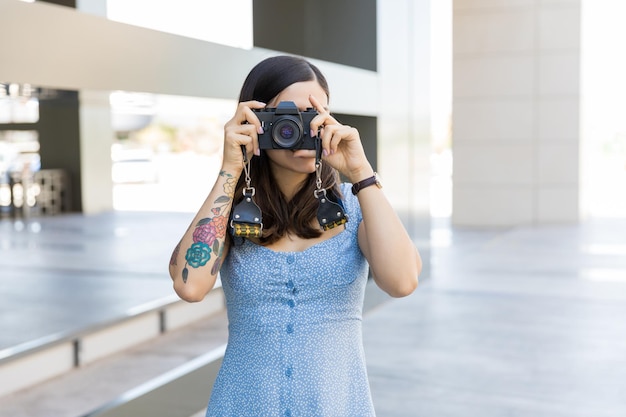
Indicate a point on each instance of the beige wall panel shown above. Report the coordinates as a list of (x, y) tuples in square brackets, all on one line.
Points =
[(559, 28), (493, 76), (492, 206), (560, 2), (559, 75), (558, 120), (558, 164), (516, 118), (500, 31), (491, 119), (558, 204), (490, 163), (473, 4)]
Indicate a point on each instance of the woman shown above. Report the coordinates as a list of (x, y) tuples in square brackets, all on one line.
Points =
[(294, 284)]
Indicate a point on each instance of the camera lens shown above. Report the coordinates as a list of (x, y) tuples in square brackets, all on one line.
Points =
[(287, 132)]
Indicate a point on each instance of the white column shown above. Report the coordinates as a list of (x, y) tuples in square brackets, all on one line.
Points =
[(516, 97), (96, 138)]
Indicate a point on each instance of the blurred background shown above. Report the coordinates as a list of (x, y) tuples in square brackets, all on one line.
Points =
[(153, 134), (497, 127)]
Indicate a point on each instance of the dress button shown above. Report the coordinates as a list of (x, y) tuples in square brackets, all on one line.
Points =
[(294, 291), (290, 259), (291, 303), (290, 328), (287, 413), (289, 372)]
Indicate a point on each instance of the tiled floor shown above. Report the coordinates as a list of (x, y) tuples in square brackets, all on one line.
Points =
[(62, 274), (527, 321), (523, 322)]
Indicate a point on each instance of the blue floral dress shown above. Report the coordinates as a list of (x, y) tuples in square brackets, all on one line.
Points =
[(295, 346)]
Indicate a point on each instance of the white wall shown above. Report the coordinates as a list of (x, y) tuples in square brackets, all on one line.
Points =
[(516, 98)]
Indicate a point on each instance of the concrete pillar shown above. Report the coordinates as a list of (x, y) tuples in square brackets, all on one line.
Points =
[(96, 136), (96, 139), (516, 98)]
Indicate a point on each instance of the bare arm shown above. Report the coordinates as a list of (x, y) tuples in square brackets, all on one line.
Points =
[(196, 260), (392, 256)]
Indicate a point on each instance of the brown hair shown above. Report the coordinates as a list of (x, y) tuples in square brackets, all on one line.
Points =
[(280, 216)]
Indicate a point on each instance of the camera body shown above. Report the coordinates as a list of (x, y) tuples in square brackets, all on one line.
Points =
[(285, 127)]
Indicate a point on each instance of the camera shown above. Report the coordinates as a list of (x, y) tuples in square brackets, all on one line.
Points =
[(285, 127)]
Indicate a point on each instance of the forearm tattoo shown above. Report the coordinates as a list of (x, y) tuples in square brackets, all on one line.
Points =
[(209, 233)]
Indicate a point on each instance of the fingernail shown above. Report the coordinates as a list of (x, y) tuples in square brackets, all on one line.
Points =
[(260, 130), (312, 133), (257, 152), (325, 152)]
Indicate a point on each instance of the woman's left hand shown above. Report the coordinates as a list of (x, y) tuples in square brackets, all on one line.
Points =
[(341, 145)]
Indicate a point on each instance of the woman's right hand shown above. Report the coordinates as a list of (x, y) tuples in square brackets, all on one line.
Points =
[(242, 129)]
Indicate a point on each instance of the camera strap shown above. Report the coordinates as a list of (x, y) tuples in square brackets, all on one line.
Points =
[(246, 219), (329, 213)]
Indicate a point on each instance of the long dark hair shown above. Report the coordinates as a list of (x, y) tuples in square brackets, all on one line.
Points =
[(280, 216)]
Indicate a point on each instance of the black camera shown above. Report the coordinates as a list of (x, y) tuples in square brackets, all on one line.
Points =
[(285, 127)]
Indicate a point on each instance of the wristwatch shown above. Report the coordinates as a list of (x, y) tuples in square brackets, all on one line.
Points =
[(373, 180)]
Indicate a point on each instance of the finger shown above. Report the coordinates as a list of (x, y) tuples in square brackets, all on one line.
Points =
[(232, 130), (327, 136), (241, 139), (241, 135), (244, 114), (322, 118), (317, 105), (252, 120), (338, 133)]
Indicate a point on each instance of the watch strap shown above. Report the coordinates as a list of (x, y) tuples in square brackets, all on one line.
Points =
[(358, 186)]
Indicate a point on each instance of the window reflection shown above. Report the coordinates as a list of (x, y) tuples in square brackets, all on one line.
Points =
[(18, 103), (19, 160), (167, 150)]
